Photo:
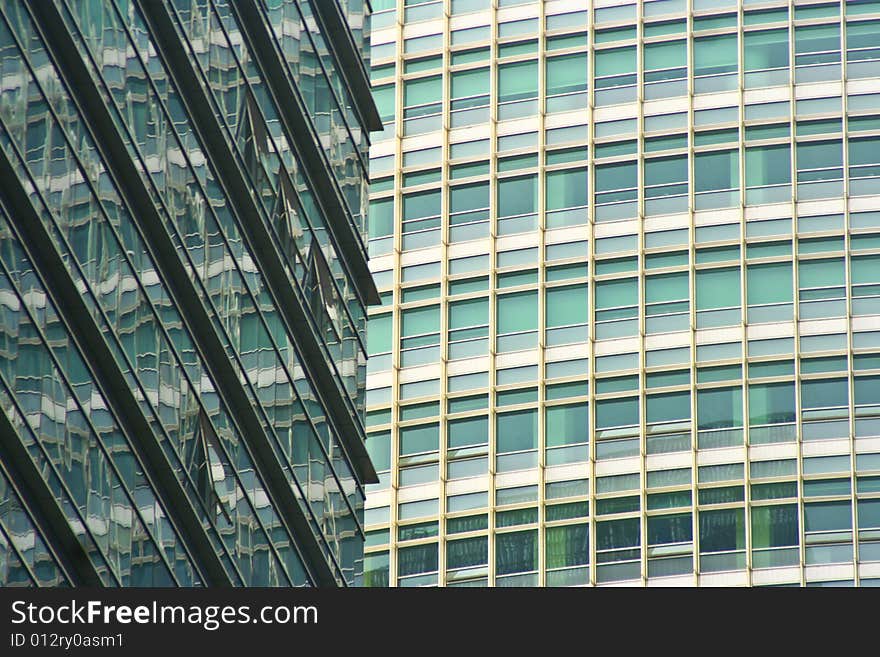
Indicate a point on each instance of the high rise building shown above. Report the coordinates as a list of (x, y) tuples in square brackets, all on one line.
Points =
[(629, 257), (183, 282)]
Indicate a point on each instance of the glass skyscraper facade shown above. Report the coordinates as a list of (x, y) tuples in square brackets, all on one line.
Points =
[(183, 285), (629, 262)]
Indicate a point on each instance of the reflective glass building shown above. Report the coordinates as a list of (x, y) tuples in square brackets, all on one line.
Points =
[(629, 257), (183, 284)]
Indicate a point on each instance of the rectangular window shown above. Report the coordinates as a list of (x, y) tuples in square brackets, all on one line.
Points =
[(666, 302), (517, 197), (769, 292), (768, 174), (566, 74), (715, 63), (566, 197), (766, 58), (771, 412), (617, 307), (567, 314), (718, 297)]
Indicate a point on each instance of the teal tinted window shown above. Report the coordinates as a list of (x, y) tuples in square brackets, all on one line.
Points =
[(771, 403), (617, 412), (719, 408), (517, 312), (517, 195), (716, 170), (565, 425), (517, 81), (567, 546), (566, 74), (774, 526), (566, 306), (566, 188), (768, 165), (467, 432), (770, 283), (414, 440), (668, 407), (516, 552), (716, 54), (766, 49), (718, 288), (516, 431)]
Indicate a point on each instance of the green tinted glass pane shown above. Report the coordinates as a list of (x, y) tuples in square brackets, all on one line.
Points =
[(468, 197), (421, 320), (473, 312), (819, 154), (716, 170), (469, 431), (719, 408), (414, 440), (669, 500), (382, 218), (666, 170), (865, 269), (663, 530), (816, 38), (517, 195), (474, 82), (775, 526), (566, 306), (517, 81), (379, 448), (617, 412), (668, 407), (566, 188), (614, 293), (417, 559), (771, 403), (774, 490), (617, 61), (821, 273), (718, 288), (566, 425), (722, 530), (869, 513), (423, 204), (766, 49), (567, 546), (768, 165), (379, 334), (824, 393), (516, 552), (613, 534), (423, 90), (384, 97), (863, 151), (567, 511), (620, 175), (862, 35), (467, 552), (466, 524), (516, 431), (566, 74), (770, 283), (666, 287), (715, 54), (670, 54), (828, 516), (517, 312)]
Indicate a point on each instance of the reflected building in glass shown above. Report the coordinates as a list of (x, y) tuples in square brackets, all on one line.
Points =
[(183, 284), (629, 258)]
